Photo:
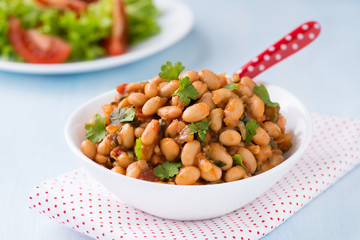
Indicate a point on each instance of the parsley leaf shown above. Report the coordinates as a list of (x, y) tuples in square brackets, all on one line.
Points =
[(231, 86), (263, 94), (120, 115), (171, 72), (186, 91), (220, 163), (167, 170), (96, 132), (200, 128), (251, 127), (238, 161), (137, 148)]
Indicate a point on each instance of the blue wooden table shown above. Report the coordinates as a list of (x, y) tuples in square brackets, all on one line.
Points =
[(325, 76)]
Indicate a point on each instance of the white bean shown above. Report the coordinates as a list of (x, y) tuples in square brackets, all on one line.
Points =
[(189, 152), (187, 175), (219, 153), (210, 78), (230, 137), (196, 112), (169, 149)]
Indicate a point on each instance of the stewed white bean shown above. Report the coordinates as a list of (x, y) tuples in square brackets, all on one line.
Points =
[(234, 173), (192, 75), (89, 149), (136, 168), (233, 111), (169, 112), (272, 129), (104, 147), (248, 159), (150, 133), (230, 137), (137, 99), (207, 98), (169, 149), (167, 89), (138, 131), (189, 152), (196, 112), (127, 135), (119, 169), (123, 160), (220, 95), (152, 105), (151, 89), (213, 175), (219, 153), (200, 87), (187, 175), (210, 78), (216, 117), (257, 107), (261, 137)]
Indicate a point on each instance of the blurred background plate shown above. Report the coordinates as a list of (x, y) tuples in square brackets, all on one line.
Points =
[(176, 21)]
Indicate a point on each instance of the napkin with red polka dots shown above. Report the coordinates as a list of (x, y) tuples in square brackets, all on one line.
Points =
[(76, 200)]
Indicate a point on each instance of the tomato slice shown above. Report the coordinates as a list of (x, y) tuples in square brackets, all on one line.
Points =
[(116, 44), (36, 47), (121, 88), (75, 5)]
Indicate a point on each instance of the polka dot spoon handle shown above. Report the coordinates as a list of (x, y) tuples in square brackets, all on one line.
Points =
[(288, 45)]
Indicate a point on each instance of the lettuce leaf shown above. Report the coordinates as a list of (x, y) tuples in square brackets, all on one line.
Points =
[(141, 16)]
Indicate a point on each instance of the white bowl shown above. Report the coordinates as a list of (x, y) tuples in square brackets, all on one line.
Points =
[(200, 201)]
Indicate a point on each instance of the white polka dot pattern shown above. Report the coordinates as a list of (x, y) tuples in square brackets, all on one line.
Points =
[(288, 45), (78, 201)]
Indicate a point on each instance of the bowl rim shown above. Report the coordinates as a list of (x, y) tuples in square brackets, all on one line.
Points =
[(296, 155)]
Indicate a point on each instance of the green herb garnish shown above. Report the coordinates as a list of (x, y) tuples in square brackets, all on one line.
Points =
[(96, 132), (200, 128), (220, 163), (238, 161), (137, 149), (120, 115), (231, 86), (171, 72), (263, 94), (251, 127), (167, 170), (186, 91)]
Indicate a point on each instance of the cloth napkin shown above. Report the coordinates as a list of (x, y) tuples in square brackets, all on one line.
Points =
[(78, 201)]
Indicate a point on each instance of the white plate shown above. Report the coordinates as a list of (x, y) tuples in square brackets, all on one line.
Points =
[(176, 22)]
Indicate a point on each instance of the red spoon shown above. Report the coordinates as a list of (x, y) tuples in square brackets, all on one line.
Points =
[(288, 45)]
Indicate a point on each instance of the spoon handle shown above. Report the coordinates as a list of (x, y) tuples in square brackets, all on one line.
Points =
[(288, 45)]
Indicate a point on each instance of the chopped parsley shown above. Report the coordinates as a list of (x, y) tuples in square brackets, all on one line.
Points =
[(200, 128), (162, 124), (171, 72), (167, 170), (263, 94), (186, 91), (238, 161), (96, 131), (251, 127), (120, 115), (138, 152), (220, 163), (231, 86)]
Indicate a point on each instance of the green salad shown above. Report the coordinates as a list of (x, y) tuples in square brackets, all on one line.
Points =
[(85, 32)]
